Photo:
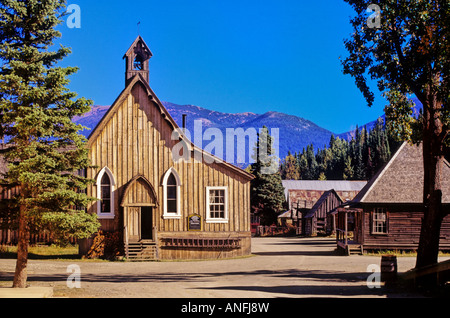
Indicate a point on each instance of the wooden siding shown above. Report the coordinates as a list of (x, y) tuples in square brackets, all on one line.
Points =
[(139, 192), (135, 140), (317, 219), (307, 198), (403, 229)]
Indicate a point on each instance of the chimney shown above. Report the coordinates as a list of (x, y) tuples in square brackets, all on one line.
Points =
[(184, 122)]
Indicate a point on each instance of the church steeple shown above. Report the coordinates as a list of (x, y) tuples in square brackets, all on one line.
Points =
[(137, 58)]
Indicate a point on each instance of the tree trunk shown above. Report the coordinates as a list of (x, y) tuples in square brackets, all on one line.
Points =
[(433, 158), (21, 275)]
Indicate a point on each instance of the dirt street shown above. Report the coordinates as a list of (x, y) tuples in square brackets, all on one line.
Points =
[(279, 267)]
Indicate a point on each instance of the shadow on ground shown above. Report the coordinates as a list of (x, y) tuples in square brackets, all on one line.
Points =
[(311, 283)]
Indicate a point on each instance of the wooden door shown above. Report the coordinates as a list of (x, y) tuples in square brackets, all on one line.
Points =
[(133, 223)]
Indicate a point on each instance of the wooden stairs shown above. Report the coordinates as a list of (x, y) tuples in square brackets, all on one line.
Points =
[(355, 249), (141, 251)]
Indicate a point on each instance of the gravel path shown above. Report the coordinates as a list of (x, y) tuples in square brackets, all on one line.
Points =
[(279, 267)]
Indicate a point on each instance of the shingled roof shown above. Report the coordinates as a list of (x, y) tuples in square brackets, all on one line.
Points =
[(401, 179)]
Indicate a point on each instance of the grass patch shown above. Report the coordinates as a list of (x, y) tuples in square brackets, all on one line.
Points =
[(52, 252), (401, 253)]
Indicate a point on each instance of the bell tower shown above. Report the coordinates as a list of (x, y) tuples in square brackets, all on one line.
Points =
[(137, 58)]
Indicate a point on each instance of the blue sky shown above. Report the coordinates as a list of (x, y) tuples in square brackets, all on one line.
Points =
[(229, 56)]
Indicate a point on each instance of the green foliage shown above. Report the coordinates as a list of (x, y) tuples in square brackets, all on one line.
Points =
[(358, 159), (44, 149), (64, 226), (407, 55), (267, 191), (289, 168)]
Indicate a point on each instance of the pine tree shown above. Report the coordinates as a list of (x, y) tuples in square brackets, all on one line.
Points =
[(44, 150), (360, 173), (267, 191), (348, 169), (289, 168)]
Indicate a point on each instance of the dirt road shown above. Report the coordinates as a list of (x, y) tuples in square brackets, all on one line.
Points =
[(279, 267)]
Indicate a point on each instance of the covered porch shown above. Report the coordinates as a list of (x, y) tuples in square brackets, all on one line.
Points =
[(348, 230)]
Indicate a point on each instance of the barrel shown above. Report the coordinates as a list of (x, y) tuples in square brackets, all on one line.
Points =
[(388, 268)]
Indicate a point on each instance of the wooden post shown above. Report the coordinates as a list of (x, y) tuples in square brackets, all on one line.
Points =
[(125, 232), (345, 228)]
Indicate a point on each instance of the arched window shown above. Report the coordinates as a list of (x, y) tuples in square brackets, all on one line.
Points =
[(105, 194), (171, 187)]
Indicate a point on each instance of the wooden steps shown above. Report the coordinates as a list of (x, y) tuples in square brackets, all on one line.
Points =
[(142, 251), (354, 249)]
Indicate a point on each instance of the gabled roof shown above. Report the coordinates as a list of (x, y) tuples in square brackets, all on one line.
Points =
[(321, 201), (139, 80), (401, 179), (138, 39)]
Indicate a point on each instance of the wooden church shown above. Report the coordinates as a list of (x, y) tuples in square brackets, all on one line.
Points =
[(164, 208)]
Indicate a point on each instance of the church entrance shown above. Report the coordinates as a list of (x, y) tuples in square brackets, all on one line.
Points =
[(139, 202), (146, 223)]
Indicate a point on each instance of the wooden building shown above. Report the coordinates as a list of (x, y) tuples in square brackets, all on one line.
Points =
[(303, 198), (163, 207), (387, 213), (305, 193), (319, 219)]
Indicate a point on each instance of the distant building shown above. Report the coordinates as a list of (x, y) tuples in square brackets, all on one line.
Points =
[(305, 193), (310, 201)]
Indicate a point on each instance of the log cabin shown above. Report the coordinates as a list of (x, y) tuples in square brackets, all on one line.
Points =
[(162, 206), (387, 213)]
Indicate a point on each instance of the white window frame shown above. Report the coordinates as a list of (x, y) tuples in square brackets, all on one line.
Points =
[(383, 221), (171, 215), (209, 219), (111, 214)]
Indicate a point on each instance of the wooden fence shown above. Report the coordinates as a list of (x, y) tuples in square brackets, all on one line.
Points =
[(10, 238)]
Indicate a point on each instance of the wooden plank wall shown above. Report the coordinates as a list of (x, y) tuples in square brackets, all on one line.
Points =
[(137, 141), (404, 230)]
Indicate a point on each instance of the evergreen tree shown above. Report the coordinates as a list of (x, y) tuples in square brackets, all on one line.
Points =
[(360, 171), (267, 191), (289, 168), (348, 169), (44, 150), (303, 166), (312, 163), (357, 159)]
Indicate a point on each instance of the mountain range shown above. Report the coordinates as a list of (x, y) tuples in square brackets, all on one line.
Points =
[(295, 133)]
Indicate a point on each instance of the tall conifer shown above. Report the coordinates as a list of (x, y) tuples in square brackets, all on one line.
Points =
[(43, 148), (267, 191)]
